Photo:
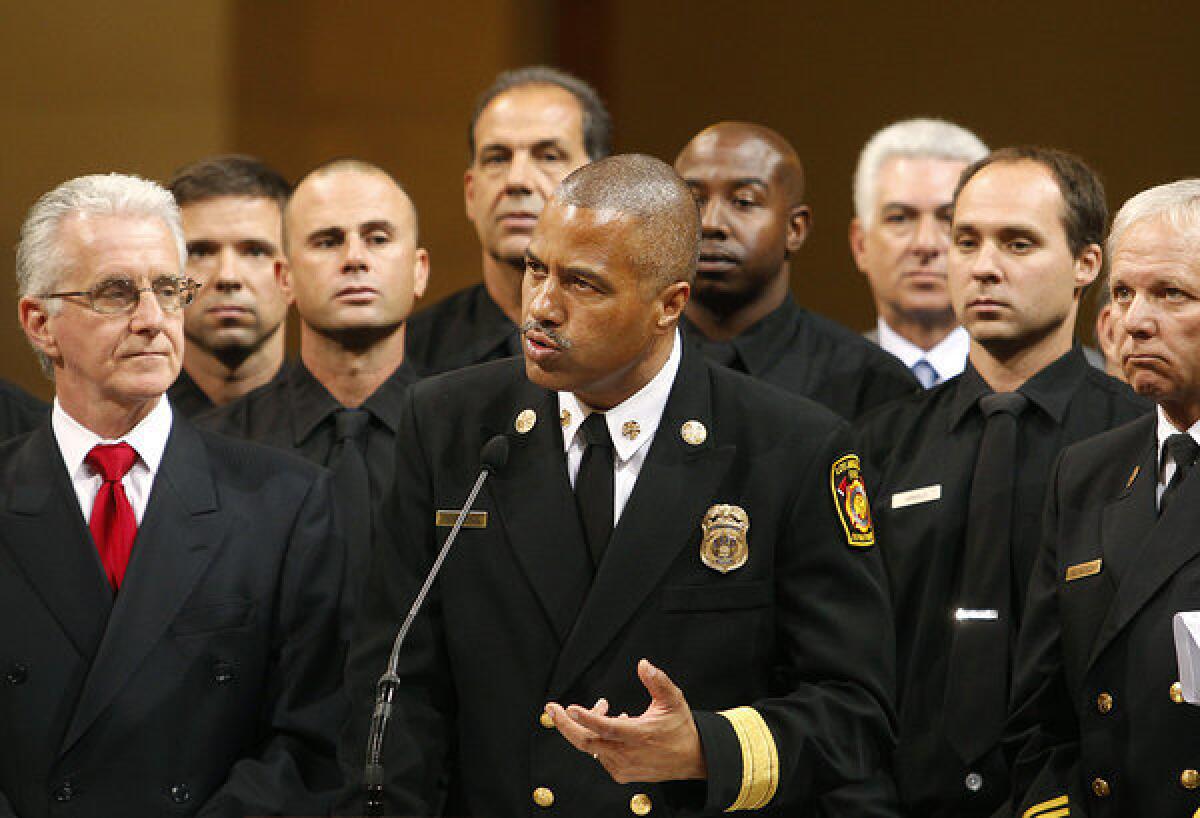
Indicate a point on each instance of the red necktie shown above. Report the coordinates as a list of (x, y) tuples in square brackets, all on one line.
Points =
[(113, 524)]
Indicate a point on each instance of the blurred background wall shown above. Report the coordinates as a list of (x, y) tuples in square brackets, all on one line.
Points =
[(144, 86)]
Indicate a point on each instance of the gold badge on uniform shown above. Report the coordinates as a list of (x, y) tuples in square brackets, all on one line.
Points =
[(630, 429), (725, 546), (564, 418), (693, 432), (525, 421), (850, 499)]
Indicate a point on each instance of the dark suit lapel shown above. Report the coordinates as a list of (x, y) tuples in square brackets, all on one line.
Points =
[(48, 539), (534, 500), (677, 483), (1150, 548), (179, 536)]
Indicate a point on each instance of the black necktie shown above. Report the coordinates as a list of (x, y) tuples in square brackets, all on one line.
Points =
[(352, 489), (1183, 450), (977, 681), (594, 485)]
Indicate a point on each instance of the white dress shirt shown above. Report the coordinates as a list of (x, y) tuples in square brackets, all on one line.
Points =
[(148, 439), (1166, 465), (948, 358), (644, 408)]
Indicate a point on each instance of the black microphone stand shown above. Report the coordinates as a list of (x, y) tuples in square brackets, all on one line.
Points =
[(494, 456)]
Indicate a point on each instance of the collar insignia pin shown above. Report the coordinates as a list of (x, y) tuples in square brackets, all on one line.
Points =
[(693, 432), (525, 421), (630, 429)]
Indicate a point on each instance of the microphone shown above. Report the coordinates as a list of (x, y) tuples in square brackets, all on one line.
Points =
[(492, 458)]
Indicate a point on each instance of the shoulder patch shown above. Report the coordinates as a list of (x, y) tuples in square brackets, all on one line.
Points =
[(850, 500)]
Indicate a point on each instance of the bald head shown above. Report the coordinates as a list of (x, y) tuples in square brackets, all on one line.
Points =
[(323, 181), (753, 146), (667, 236)]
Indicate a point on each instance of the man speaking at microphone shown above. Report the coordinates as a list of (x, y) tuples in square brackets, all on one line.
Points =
[(667, 599)]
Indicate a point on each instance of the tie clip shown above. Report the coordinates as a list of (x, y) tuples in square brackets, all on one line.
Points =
[(446, 518), (976, 614)]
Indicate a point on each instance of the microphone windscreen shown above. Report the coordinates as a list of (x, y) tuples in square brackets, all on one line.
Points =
[(494, 454)]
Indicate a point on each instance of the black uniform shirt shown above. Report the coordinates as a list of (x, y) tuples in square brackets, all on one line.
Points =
[(297, 412), (809, 355), (20, 412), (460, 330), (925, 449), (189, 400)]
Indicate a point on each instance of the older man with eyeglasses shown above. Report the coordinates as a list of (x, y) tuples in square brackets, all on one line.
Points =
[(169, 630)]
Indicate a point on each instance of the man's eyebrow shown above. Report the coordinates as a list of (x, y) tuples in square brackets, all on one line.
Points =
[(377, 224), (530, 256), (326, 232), (751, 181)]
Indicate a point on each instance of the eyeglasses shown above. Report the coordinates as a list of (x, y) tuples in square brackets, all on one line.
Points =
[(120, 295)]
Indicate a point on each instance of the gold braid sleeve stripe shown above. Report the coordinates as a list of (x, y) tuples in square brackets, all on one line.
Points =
[(760, 759), (1042, 810)]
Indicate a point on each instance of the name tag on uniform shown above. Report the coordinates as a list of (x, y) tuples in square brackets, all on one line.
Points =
[(914, 497), (1084, 569), (976, 615), (474, 519)]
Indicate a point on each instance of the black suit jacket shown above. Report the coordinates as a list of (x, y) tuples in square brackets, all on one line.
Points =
[(801, 632), (926, 447), (1096, 660), (210, 684)]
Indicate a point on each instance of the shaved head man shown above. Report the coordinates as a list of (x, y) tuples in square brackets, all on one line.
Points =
[(583, 601), (354, 269), (749, 185)]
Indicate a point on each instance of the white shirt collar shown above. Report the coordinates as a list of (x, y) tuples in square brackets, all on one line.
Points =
[(643, 408), (148, 438), (1164, 430), (948, 358)]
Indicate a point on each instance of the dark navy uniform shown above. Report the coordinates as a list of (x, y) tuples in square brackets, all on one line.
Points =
[(460, 330), (925, 448), (1099, 726), (809, 355), (794, 646)]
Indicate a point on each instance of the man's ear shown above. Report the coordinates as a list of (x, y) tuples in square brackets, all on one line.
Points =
[(798, 225), (1088, 266), (283, 277), (36, 321), (671, 301), (858, 244), (420, 272), (468, 191)]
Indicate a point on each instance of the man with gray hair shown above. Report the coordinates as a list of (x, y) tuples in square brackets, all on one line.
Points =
[(168, 597), (1100, 724), (899, 236), (668, 597)]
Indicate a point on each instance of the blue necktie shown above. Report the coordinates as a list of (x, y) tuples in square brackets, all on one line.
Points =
[(925, 373)]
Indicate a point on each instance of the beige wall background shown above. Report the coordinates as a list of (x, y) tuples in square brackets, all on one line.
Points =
[(144, 87)]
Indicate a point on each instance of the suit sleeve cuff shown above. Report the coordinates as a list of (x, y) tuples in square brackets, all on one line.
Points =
[(741, 758)]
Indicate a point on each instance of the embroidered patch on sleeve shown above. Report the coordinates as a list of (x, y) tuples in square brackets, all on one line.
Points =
[(850, 500)]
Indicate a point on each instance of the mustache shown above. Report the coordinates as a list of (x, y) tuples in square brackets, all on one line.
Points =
[(560, 341)]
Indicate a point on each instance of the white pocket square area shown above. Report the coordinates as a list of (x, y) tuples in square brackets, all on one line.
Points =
[(914, 497)]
